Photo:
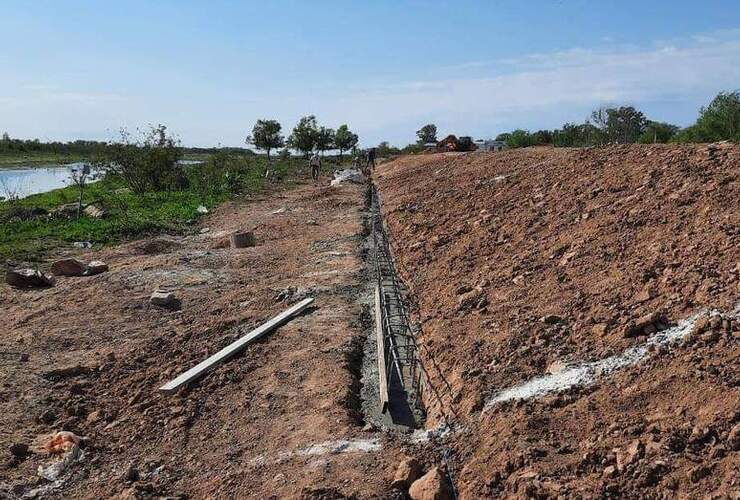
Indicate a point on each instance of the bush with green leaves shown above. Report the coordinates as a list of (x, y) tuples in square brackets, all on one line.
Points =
[(151, 163)]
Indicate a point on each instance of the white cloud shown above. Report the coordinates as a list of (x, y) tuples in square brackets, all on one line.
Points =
[(689, 71)]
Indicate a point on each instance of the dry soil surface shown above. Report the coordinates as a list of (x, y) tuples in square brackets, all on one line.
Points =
[(526, 263), (280, 421)]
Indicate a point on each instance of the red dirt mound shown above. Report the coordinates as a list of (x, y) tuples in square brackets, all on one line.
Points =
[(526, 262)]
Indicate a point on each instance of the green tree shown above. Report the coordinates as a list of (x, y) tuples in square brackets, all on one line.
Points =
[(621, 125), (149, 164), (521, 139), (427, 133), (325, 139), (385, 149), (657, 132), (503, 137), (543, 137), (304, 135), (720, 121), (266, 136), (345, 140)]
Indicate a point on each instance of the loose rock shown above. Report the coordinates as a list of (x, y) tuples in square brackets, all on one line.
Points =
[(409, 470), (243, 239), (432, 486), (28, 278), (68, 267)]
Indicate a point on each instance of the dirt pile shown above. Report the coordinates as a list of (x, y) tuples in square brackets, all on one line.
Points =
[(582, 305)]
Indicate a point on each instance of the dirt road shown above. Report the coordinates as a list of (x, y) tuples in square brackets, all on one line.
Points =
[(269, 424)]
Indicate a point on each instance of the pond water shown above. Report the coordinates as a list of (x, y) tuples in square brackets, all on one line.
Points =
[(26, 181)]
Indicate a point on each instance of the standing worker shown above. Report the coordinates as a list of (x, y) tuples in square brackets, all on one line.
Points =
[(371, 159), (315, 163)]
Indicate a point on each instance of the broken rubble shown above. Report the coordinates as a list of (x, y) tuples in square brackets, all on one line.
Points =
[(28, 278)]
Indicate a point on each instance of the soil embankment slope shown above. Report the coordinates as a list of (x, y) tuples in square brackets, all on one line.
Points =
[(525, 262)]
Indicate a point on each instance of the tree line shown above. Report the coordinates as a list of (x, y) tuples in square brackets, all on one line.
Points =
[(718, 121), (307, 136)]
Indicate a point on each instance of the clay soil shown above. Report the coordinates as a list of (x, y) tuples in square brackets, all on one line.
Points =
[(526, 260), (89, 355)]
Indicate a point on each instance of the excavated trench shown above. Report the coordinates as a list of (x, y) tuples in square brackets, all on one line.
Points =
[(405, 410)]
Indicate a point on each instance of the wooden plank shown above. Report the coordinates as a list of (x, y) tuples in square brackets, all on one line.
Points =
[(382, 380), (230, 350)]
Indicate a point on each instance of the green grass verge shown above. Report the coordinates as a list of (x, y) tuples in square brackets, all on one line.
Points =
[(129, 215)]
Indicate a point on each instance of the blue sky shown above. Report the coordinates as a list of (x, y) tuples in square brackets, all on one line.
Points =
[(208, 70)]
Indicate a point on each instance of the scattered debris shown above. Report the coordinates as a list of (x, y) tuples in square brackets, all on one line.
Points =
[(201, 209), (348, 175), (62, 442), (28, 278), (94, 212), (82, 244), (53, 471)]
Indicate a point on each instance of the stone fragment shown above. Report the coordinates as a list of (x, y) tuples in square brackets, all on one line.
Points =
[(19, 450), (163, 298), (432, 486), (637, 327), (28, 278), (68, 267), (551, 319), (599, 329), (733, 439), (94, 212), (242, 239), (409, 470), (96, 267)]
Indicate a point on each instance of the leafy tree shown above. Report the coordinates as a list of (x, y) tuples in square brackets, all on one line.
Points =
[(427, 133), (149, 164), (543, 137), (521, 139), (325, 139), (504, 137), (304, 135), (577, 135), (385, 149), (621, 125), (345, 140), (720, 121), (658, 132), (266, 136)]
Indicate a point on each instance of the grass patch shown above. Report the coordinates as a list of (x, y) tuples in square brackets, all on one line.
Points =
[(29, 239)]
